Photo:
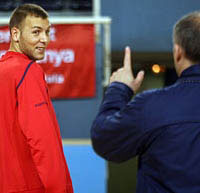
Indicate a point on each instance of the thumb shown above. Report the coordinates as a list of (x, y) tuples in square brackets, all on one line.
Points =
[(138, 80), (140, 76)]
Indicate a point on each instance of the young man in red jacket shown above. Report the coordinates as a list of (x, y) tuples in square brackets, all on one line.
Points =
[(31, 153)]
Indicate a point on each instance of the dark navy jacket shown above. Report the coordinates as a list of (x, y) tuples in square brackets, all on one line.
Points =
[(162, 126)]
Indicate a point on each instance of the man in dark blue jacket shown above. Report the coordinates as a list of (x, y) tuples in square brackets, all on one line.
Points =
[(161, 126)]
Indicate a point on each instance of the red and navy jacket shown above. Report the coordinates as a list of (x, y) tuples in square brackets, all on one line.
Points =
[(31, 152), (161, 126)]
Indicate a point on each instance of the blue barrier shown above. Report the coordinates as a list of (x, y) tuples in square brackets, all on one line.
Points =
[(88, 171)]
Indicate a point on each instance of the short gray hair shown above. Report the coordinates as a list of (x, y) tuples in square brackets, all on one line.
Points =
[(186, 33)]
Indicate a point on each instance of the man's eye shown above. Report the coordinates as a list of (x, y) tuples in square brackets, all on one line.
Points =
[(47, 32), (36, 32)]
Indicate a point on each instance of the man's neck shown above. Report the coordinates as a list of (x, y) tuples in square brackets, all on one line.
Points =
[(14, 47), (184, 64)]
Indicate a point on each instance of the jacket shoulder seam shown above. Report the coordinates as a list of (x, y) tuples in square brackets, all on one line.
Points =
[(25, 72)]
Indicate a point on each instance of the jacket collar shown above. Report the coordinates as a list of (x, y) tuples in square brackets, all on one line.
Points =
[(193, 72), (13, 54)]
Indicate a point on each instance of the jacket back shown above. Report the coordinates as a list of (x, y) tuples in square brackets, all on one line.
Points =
[(31, 154), (161, 126)]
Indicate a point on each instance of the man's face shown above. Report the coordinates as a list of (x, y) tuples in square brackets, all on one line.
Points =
[(34, 37)]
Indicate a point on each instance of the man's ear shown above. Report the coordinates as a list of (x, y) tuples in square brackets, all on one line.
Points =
[(178, 53), (15, 34)]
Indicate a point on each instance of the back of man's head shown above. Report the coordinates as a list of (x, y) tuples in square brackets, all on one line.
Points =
[(186, 33), (21, 12)]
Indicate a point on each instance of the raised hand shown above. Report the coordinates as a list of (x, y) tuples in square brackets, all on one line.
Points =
[(125, 74)]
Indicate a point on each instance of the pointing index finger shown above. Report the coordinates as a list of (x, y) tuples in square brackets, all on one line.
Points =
[(127, 58)]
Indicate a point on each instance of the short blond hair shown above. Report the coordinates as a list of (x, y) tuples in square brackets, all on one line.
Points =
[(21, 12)]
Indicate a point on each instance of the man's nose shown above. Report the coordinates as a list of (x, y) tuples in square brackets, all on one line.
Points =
[(44, 37)]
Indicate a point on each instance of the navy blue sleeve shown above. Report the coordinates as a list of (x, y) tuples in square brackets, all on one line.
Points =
[(118, 133)]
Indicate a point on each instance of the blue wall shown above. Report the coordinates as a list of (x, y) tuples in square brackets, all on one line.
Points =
[(145, 25)]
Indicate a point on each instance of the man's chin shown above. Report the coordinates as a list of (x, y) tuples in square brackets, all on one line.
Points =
[(38, 57)]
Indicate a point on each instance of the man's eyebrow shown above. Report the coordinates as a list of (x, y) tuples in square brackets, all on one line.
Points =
[(38, 27)]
